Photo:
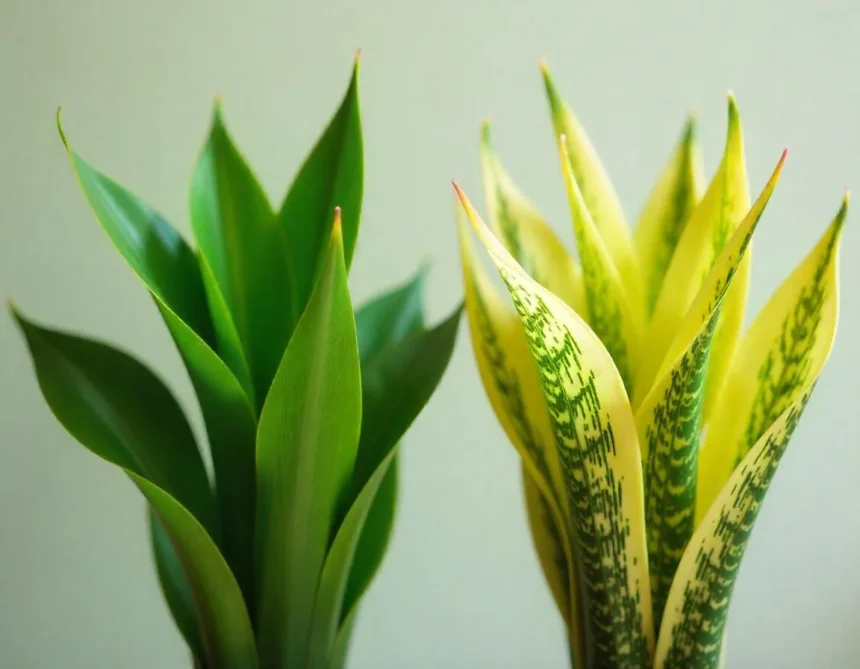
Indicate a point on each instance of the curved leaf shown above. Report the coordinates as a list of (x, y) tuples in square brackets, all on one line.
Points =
[(525, 233), (598, 194), (168, 268), (670, 204), (718, 215), (595, 436), (793, 334), (224, 623), (772, 362), (243, 245), (670, 418), (118, 409), (174, 585), (328, 607), (396, 385), (510, 379), (612, 316), (306, 447), (332, 175)]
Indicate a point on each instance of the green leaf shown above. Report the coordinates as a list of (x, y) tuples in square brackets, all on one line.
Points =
[(306, 447), (396, 385), (670, 204), (174, 585), (169, 269), (243, 244), (391, 316), (118, 409), (331, 176), (226, 630), (333, 581)]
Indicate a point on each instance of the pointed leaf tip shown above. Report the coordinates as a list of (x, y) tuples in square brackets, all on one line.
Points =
[(60, 128)]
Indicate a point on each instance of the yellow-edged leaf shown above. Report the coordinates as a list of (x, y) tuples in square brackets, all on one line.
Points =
[(612, 316), (549, 541), (510, 379), (669, 419), (711, 225), (595, 436), (667, 210), (774, 359), (790, 341), (525, 233), (597, 191)]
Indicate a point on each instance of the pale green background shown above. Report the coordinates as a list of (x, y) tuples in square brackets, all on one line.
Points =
[(460, 588)]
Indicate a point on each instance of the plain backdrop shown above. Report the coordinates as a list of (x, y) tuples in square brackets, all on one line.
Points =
[(460, 588)]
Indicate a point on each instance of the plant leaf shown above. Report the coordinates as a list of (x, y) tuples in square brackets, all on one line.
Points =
[(670, 418), (775, 359), (790, 341), (243, 246), (670, 204), (225, 626), (595, 436), (396, 385), (549, 544), (328, 607), (611, 315), (169, 269), (599, 196), (510, 379), (718, 215), (118, 409), (332, 175), (525, 233), (306, 447), (174, 585), (391, 316)]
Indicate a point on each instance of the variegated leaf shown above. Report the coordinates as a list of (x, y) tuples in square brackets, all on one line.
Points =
[(595, 435)]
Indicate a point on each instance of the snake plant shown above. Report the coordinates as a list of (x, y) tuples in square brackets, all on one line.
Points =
[(304, 401), (649, 425)]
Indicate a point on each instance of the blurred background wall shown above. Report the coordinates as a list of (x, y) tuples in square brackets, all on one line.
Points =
[(461, 588)]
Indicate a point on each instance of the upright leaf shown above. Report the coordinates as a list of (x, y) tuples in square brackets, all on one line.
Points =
[(671, 203), (332, 175), (525, 233), (790, 341), (718, 215), (391, 316), (328, 607), (396, 385), (774, 359), (243, 246), (228, 638), (615, 320), (670, 418), (598, 193), (169, 270), (510, 378), (175, 586), (595, 436), (306, 447)]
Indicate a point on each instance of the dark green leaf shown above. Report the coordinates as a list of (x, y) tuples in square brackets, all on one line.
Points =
[(331, 176), (306, 447), (391, 316), (228, 638), (174, 585), (243, 245), (122, 412), (333, 582), (170, 271), (396, 385)]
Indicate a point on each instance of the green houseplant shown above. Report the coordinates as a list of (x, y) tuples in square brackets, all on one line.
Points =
[(649, 426), (304, 402)]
